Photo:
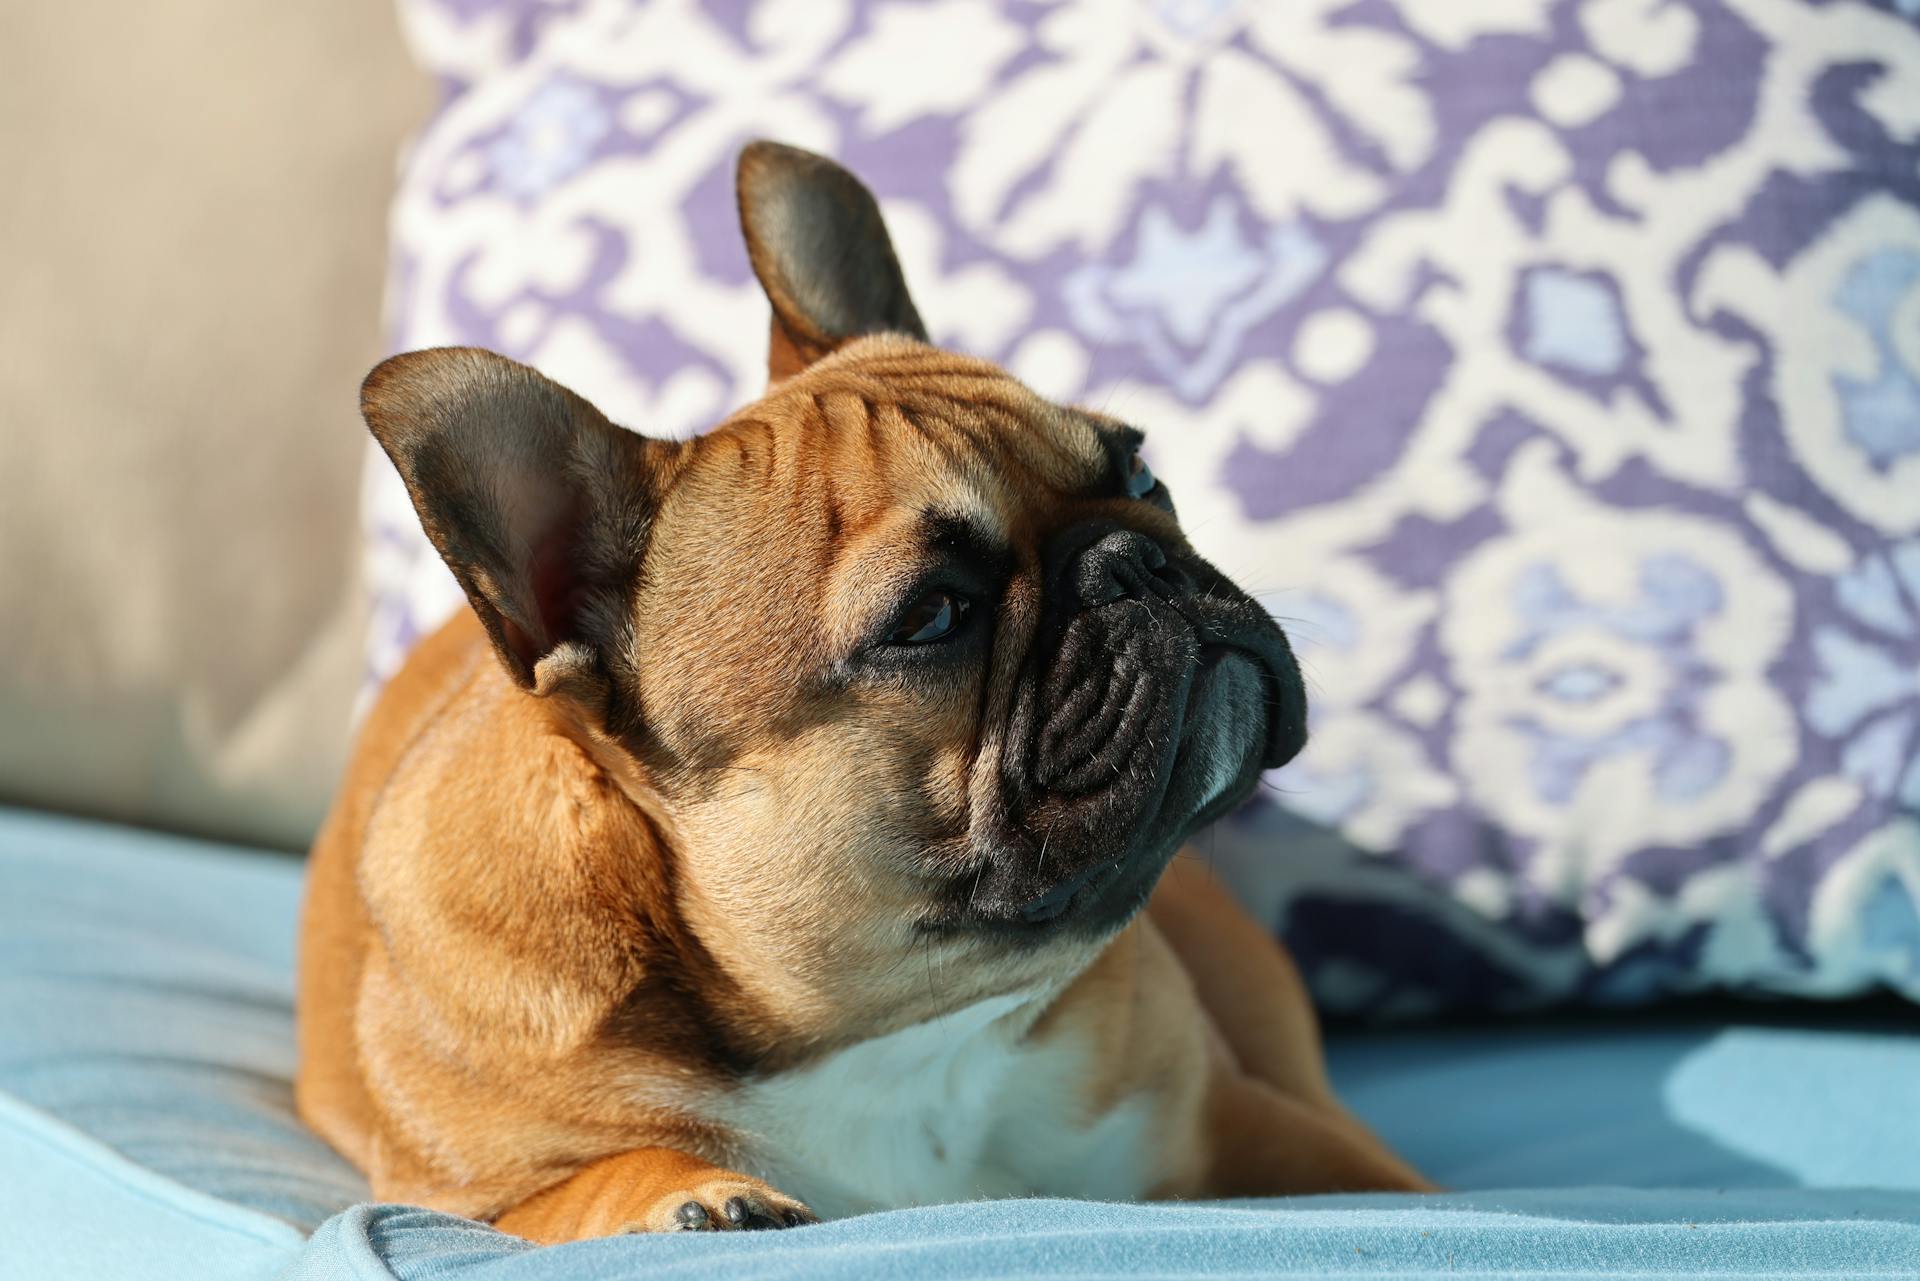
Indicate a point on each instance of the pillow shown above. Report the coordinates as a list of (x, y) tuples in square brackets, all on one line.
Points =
[(1553, 370), (194, 261)]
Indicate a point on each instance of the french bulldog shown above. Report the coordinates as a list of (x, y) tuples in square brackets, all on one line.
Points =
[(789, 829)]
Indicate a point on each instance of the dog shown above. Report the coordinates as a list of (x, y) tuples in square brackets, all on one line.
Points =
[(786, 831)]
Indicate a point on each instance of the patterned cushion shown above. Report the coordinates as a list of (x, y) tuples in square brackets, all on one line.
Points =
[(1551, 366)]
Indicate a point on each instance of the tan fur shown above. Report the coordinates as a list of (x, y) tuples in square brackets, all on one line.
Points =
[(580, 895)]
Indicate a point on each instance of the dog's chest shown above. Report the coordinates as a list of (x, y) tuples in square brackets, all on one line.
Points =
[(954, 1109)]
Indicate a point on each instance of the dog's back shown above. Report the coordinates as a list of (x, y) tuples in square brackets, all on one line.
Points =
[(336, 930)]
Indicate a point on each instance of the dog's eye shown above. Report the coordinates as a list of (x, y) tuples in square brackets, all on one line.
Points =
[(933, 617), (1140, 481)]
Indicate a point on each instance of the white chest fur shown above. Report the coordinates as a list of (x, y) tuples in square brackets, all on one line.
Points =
[(961, 1107)]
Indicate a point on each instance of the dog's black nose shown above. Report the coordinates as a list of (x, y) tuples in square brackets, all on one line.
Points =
[(1123, 563)]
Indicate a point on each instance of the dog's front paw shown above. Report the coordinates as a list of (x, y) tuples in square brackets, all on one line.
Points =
[(726, 1203)]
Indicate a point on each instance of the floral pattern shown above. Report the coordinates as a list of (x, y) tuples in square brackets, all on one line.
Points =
[(1551, 367)]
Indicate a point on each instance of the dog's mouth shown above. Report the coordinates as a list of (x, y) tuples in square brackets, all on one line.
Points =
[(1056, 902)]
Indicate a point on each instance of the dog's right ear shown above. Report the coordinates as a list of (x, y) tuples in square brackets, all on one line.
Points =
[(537, 503)]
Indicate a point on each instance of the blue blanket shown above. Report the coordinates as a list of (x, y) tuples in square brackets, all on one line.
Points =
[(146, 1131)]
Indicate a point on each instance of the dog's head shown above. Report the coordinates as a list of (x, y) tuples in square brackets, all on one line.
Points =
[(913, 671)]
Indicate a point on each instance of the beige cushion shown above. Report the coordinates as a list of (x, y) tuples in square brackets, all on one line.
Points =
[(193, 239)]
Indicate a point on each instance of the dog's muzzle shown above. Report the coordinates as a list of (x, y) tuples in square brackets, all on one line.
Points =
[(1156, 692)]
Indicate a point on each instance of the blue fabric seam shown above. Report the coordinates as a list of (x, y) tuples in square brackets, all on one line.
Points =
[(70, 1144)]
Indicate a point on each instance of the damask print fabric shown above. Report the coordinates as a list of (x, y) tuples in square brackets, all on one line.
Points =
[(1552, 367)]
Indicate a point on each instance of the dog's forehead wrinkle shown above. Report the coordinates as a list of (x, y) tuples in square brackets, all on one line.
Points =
[(899, 414), (1002, 458)]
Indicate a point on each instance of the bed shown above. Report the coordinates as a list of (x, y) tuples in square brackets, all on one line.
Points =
[(146, 1129)]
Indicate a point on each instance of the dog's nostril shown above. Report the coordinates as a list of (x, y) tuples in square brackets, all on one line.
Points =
[(1120, 565)]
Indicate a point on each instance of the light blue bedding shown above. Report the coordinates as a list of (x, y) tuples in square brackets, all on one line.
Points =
[(146, 1131)]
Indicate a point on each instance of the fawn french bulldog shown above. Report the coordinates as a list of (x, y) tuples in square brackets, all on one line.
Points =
[(789, 829)]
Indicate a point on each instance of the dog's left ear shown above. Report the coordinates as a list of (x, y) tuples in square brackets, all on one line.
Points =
[(821, 251)]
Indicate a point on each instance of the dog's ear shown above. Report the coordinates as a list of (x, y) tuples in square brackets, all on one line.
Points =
[(821, 251), (538, 504)]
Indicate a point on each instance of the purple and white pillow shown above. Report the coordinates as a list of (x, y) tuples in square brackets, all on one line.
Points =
[(1551, 366)]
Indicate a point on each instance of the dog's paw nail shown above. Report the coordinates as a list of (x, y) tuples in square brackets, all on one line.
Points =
[(798, 1218), (736, 1211), (693, 1215)]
